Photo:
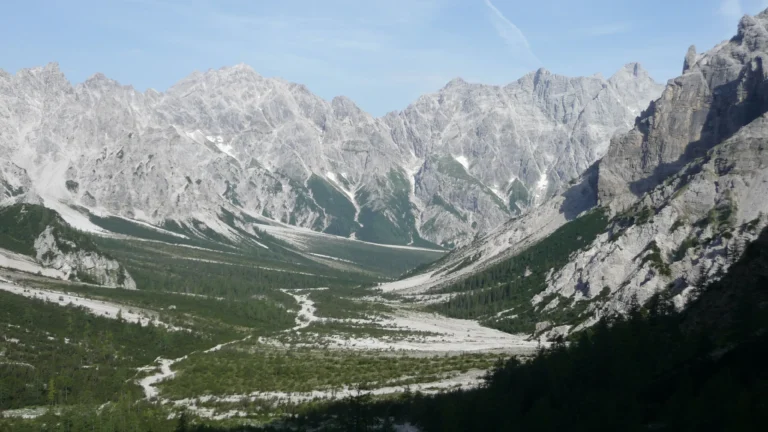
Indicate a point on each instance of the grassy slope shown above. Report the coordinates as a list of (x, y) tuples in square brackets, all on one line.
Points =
[(371, 259), (394, 223)]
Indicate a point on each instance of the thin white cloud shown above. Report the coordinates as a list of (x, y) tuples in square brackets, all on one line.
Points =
[(511, 34), (731, 10), (608, 29)]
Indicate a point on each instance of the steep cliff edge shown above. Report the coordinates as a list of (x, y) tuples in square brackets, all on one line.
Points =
[(718, 93)]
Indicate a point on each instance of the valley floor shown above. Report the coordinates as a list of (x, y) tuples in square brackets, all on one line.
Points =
[(339, 345)]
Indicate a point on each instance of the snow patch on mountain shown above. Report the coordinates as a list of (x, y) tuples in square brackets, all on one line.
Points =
[(463, 161)]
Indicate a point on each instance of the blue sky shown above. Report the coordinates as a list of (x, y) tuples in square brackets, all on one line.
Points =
[(380, 53)]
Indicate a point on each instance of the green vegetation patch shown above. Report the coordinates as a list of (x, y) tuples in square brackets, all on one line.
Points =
[(261, 368), (305, 204), (518, 196), (21, 224), (682, 250), (64, 355), (656, 260), (449, 166), (160, 267), (333, 303), (393, 222)]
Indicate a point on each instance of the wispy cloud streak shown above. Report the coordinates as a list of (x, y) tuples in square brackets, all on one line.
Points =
[(511, 34)]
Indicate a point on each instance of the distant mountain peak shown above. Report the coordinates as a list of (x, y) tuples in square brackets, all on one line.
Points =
[(634, 69), (456, 82), (100, 79)]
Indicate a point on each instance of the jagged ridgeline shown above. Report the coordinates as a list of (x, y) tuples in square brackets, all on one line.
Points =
[(232, 139), (41, 234)]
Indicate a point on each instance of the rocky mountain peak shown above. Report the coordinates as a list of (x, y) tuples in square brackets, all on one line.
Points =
[(101, 81), (455, 83), (752, 32), (344, 107), (49, 76), (636, 69), (695, 112), (690, 58), (539, 75)]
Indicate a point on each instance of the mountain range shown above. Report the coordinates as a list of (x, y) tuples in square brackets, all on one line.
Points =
[(452, 165)]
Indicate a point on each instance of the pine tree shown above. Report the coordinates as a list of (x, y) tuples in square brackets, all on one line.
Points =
[(51, 391), (183, 424), (701, 279)]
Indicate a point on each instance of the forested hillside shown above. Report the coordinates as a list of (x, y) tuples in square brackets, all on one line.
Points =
[(21, 224), (501, 295)]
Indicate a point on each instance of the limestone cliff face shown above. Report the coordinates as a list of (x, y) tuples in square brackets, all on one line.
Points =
[(684, 232), (495, 152), (454, 164), (79, 264), (718, 93), (14, 182)]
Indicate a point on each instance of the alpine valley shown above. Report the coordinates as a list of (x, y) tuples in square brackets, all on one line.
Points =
[(239, 254)]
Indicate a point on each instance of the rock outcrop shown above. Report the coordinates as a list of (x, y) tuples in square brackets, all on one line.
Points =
[(680, 235), (35, 232), (14, 182), (78, 264)]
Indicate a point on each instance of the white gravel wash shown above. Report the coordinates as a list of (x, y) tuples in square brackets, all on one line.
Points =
[(440, 334), (95, 307), (148, 383), (26, 264), (307, 310), (468, 380)]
